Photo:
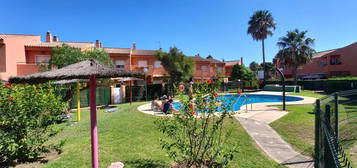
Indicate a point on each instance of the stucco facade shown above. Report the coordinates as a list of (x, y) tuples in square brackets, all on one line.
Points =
[(22, 54), (331, 63)]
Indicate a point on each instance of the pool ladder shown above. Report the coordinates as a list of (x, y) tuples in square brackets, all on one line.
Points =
[(246, 100)]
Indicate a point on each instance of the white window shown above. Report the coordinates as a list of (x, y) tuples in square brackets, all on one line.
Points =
[(204, 67), (157, 64), (220, 69), (42, 58), (142, 63), (120, 63)]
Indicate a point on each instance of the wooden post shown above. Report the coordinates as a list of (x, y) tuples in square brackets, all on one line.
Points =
[(78, 102), (93, 118)]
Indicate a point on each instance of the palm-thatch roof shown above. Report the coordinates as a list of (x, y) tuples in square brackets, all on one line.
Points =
[(124, 79), (70, 81), (80, 70)]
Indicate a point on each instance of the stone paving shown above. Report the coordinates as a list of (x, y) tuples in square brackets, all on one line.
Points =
[(256, 123)]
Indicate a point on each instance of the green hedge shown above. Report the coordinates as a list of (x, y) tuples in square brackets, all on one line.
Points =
[(328, 85), (139, 92), (103, 96)]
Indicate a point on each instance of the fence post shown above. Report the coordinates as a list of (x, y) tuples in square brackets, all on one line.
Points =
[(317, 134), (336, 115)]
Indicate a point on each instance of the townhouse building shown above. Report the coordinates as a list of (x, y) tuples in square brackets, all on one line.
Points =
[(338, 62), (22, 54)]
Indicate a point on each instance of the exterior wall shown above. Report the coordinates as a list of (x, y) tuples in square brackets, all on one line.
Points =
[(122, 57), (15, 52), (322, 65), (2, 58), (150, 65)]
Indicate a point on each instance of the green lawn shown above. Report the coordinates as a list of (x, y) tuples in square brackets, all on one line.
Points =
[(297, 127), (130, 136), (308, 93)]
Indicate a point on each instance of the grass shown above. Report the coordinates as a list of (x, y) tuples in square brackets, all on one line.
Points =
[(297, 127), (308, 93), (131, 137)]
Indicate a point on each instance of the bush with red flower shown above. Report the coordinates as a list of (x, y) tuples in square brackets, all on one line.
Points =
[(194, 136), (28, 115)]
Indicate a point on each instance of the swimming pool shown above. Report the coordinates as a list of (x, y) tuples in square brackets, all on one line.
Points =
[(239, 100)]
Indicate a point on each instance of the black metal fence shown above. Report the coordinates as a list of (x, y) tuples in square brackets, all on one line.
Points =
[(335, 129)]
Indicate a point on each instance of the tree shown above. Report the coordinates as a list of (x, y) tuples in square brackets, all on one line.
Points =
[(209, 57), (195, 140), (66, 55), (254, 66), (295, 50), (270, 69), (260, 26), (179, 67), (242, 73)]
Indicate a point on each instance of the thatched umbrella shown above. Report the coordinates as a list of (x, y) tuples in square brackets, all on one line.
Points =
[(90, 69), (78, 93), (130, 79)]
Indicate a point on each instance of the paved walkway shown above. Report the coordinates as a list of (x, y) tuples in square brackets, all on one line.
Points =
[(256, 123)]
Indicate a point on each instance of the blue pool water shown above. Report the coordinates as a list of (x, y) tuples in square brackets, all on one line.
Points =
[(239, 101)]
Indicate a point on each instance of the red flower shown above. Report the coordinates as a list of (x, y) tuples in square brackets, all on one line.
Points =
[(8, 84), (193, 113), (209, 81), (11, 98), (182, 88), (239, 91), (215, 94)]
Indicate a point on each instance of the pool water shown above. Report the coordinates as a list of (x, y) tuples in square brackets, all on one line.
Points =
[(238, 101)]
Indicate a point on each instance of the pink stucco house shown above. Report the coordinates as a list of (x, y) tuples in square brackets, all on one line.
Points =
[(338, 62), (21, 54)]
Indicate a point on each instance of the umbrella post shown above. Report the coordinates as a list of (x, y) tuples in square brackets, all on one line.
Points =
[(93, 118), (131, 94), (78, 102)]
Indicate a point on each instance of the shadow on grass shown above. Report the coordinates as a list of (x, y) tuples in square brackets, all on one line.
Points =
[(146, 163)]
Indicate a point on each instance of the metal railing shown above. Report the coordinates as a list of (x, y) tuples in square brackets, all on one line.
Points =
[(245, 102), (335, 129)]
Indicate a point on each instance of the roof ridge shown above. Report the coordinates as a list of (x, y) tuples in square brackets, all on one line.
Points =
[(19, 34), (116, 48)]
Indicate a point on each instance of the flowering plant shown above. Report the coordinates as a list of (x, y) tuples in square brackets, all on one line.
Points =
[(197, 135)]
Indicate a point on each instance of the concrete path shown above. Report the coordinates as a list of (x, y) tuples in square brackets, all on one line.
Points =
[(256, 123)]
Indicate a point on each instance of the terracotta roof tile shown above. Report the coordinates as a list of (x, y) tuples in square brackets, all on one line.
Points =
[(232, 63), (199, 59), (143, 52), (55, 44), (5, 36), (117, 50), (322, 53)]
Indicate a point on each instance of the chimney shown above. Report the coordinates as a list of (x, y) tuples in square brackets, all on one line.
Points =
[(48, 37), (241, 60), (97, 44), (100, 45), (134, 46), (55, 38)]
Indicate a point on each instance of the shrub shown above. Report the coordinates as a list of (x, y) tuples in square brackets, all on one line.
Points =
[(196, 136), (28, 114)]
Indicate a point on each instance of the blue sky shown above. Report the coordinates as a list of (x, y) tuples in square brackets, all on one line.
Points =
[(216, 27)]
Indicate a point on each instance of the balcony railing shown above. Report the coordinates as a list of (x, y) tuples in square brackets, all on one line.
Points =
[(27, 68)]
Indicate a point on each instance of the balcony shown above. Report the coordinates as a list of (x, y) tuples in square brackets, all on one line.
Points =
[(150, 70), (27, 68)]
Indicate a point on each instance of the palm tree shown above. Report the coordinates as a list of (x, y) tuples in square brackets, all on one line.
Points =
[(295, 50), (261, 25)]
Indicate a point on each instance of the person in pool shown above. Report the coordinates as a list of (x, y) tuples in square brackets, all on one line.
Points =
[(169, 107)]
